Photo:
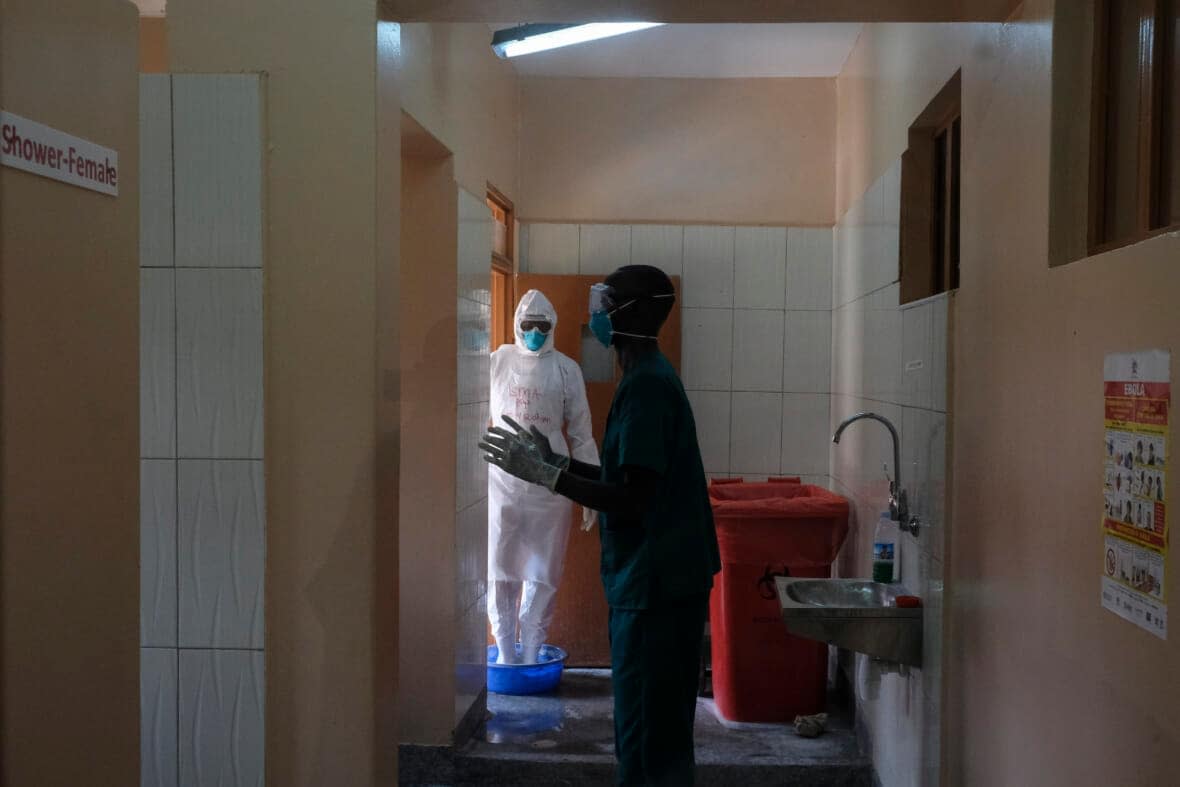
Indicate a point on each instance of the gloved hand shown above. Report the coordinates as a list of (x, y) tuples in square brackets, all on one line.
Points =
[(589, 517), (538, 438), (518, 456)]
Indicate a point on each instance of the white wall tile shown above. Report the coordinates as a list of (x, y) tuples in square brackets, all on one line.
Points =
[(711, 411), (474, 248), (756, 442), (222, 546), (848, 348), (217, 132), (219, 363), (940, 330), (805, 434), (707, 348), (158, 717), (155, 170), (809, 268), (659, 245), (553, 248), (157, 552), (474, 354), (760, 267), (603, 248), (471, 636), (883, 369), (222, 702), (916, 433), (471, 479), (757, 350), (917, 356), (522, 247), (157, 363), (471, 555), (807, 363), (708, 266)]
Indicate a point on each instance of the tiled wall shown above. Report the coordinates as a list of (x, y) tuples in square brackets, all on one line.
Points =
[(471, 477), (202, 504), (891, 360), (756, 330)]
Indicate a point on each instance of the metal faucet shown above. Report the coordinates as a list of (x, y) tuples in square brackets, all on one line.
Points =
[(899, 508)]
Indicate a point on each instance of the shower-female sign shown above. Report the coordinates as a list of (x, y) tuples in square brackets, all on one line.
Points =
[(45, 151), (1135, 459)]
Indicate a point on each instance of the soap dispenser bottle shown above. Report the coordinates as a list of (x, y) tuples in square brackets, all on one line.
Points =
[(885, 543)]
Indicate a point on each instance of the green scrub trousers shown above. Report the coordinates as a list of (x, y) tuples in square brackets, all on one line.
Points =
[(655, 663)]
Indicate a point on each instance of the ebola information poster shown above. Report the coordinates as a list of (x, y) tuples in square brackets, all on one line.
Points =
[(1135, 504)]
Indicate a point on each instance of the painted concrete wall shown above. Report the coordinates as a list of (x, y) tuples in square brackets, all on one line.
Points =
[(711, 151), (1041, 684), (69, 357)]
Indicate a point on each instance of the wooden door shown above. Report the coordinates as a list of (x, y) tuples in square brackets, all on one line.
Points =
[(580, 623)]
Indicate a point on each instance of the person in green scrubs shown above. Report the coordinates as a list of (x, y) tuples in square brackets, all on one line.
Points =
[(659, 546)]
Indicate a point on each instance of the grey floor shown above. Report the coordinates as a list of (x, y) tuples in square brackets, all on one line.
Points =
[(566, 738)]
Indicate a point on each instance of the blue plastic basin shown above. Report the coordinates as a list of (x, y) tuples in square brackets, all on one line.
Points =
[(526, 678)]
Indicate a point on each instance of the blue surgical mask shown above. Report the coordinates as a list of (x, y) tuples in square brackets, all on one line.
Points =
[(534, 340), (600, 326)]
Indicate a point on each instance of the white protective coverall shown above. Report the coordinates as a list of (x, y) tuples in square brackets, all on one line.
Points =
[(528, 526)]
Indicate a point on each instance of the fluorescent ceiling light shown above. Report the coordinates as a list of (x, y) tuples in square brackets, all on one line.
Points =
[(527, 39)]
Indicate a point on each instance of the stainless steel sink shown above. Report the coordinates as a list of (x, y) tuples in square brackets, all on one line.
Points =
[(855, 614)]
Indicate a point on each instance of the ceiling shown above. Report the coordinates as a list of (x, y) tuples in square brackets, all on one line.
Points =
[(703, 51)]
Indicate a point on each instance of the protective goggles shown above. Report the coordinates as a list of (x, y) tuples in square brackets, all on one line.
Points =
[(535, 324), (603, 299)]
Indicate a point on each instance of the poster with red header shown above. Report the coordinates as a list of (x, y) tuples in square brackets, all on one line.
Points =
[(1135, 502)]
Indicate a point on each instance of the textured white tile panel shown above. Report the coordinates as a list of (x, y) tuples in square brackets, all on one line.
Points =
[(219, 363), (155, 170), (222, 545), (222, 734), (158, 717), (157, 552), (157, 363), (217, 131)]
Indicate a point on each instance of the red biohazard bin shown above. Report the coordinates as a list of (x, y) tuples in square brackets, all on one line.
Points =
[(766, 530)]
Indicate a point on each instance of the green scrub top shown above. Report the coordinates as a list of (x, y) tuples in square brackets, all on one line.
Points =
[(671, 553)]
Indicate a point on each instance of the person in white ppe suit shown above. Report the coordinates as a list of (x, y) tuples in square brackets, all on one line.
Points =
[(533, 385)]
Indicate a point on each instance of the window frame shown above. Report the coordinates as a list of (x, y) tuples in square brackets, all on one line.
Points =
[(931, 188), (1153, 69), (502, 272)]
